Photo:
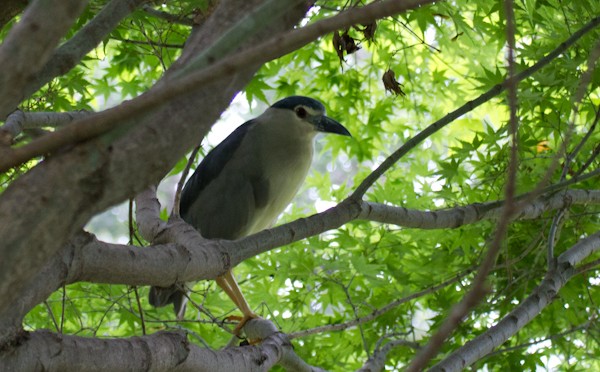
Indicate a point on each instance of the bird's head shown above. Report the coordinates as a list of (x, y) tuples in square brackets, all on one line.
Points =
[(305, 110)]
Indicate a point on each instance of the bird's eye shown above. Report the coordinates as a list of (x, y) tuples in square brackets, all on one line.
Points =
[(301, 112)]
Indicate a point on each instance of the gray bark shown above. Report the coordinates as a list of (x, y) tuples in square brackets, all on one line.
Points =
[(528, 309), (100, 173), (161, 351), (186, 256), (43, 24), (71, 52)]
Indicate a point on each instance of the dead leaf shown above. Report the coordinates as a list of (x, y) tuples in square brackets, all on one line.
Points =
[(391, 84), (348, 43), (344, 43), (337, 45), (369, 31)]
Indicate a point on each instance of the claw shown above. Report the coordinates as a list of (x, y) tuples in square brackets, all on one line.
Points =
[(238, 329)]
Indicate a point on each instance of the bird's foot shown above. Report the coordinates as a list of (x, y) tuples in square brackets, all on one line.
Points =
[(242, 322)]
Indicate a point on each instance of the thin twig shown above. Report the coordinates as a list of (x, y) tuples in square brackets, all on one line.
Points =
[(578, 328), (356, 317), (135, 290), (553, 238), (155, 48), (49, 309), (148, 42), (173, 18), (140, 309), (376, 313), (590, 160), (182, 179), (592, 265), (584, 140), (62, 312)]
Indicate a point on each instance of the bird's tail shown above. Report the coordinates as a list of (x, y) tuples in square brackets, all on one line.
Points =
[(175, 294)]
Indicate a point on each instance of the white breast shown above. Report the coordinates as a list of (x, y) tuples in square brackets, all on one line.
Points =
[(285, 153)]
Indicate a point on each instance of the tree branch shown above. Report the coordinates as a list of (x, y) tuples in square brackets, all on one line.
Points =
[(171, 89), (172, 18), (377, 361), (467, 107), (186, 256), (581, 327), (87, 38), (460, 216), (74, 185), (18, 121), (260, 329), (30, 44), (568, 157), (147, 212), (478, 289), (375, 313), (541, 297), (162, 351), (91, 260)]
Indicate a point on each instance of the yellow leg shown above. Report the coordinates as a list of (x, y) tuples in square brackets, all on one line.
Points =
[(228, 283)]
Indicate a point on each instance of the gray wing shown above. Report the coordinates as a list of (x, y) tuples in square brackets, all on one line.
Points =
[(220, 202), (211, 166)]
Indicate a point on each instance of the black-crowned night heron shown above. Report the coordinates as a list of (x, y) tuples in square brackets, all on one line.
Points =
[(244, 183)]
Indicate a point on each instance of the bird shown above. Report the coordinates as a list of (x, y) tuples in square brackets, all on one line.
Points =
[(244, 183)]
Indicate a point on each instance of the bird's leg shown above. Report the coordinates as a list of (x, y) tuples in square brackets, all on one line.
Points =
[(228, 283)]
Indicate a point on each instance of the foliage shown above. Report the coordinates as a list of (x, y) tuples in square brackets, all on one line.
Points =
[(444, 55)]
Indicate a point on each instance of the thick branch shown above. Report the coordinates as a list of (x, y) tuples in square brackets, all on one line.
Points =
[(541, 297), (186, 256), (30, 44), (162, 351), (72, 186), (460, 216), (191, 257), (70, 53), (261, 329)]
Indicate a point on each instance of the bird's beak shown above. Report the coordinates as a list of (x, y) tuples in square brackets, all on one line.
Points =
[(328, 125)]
